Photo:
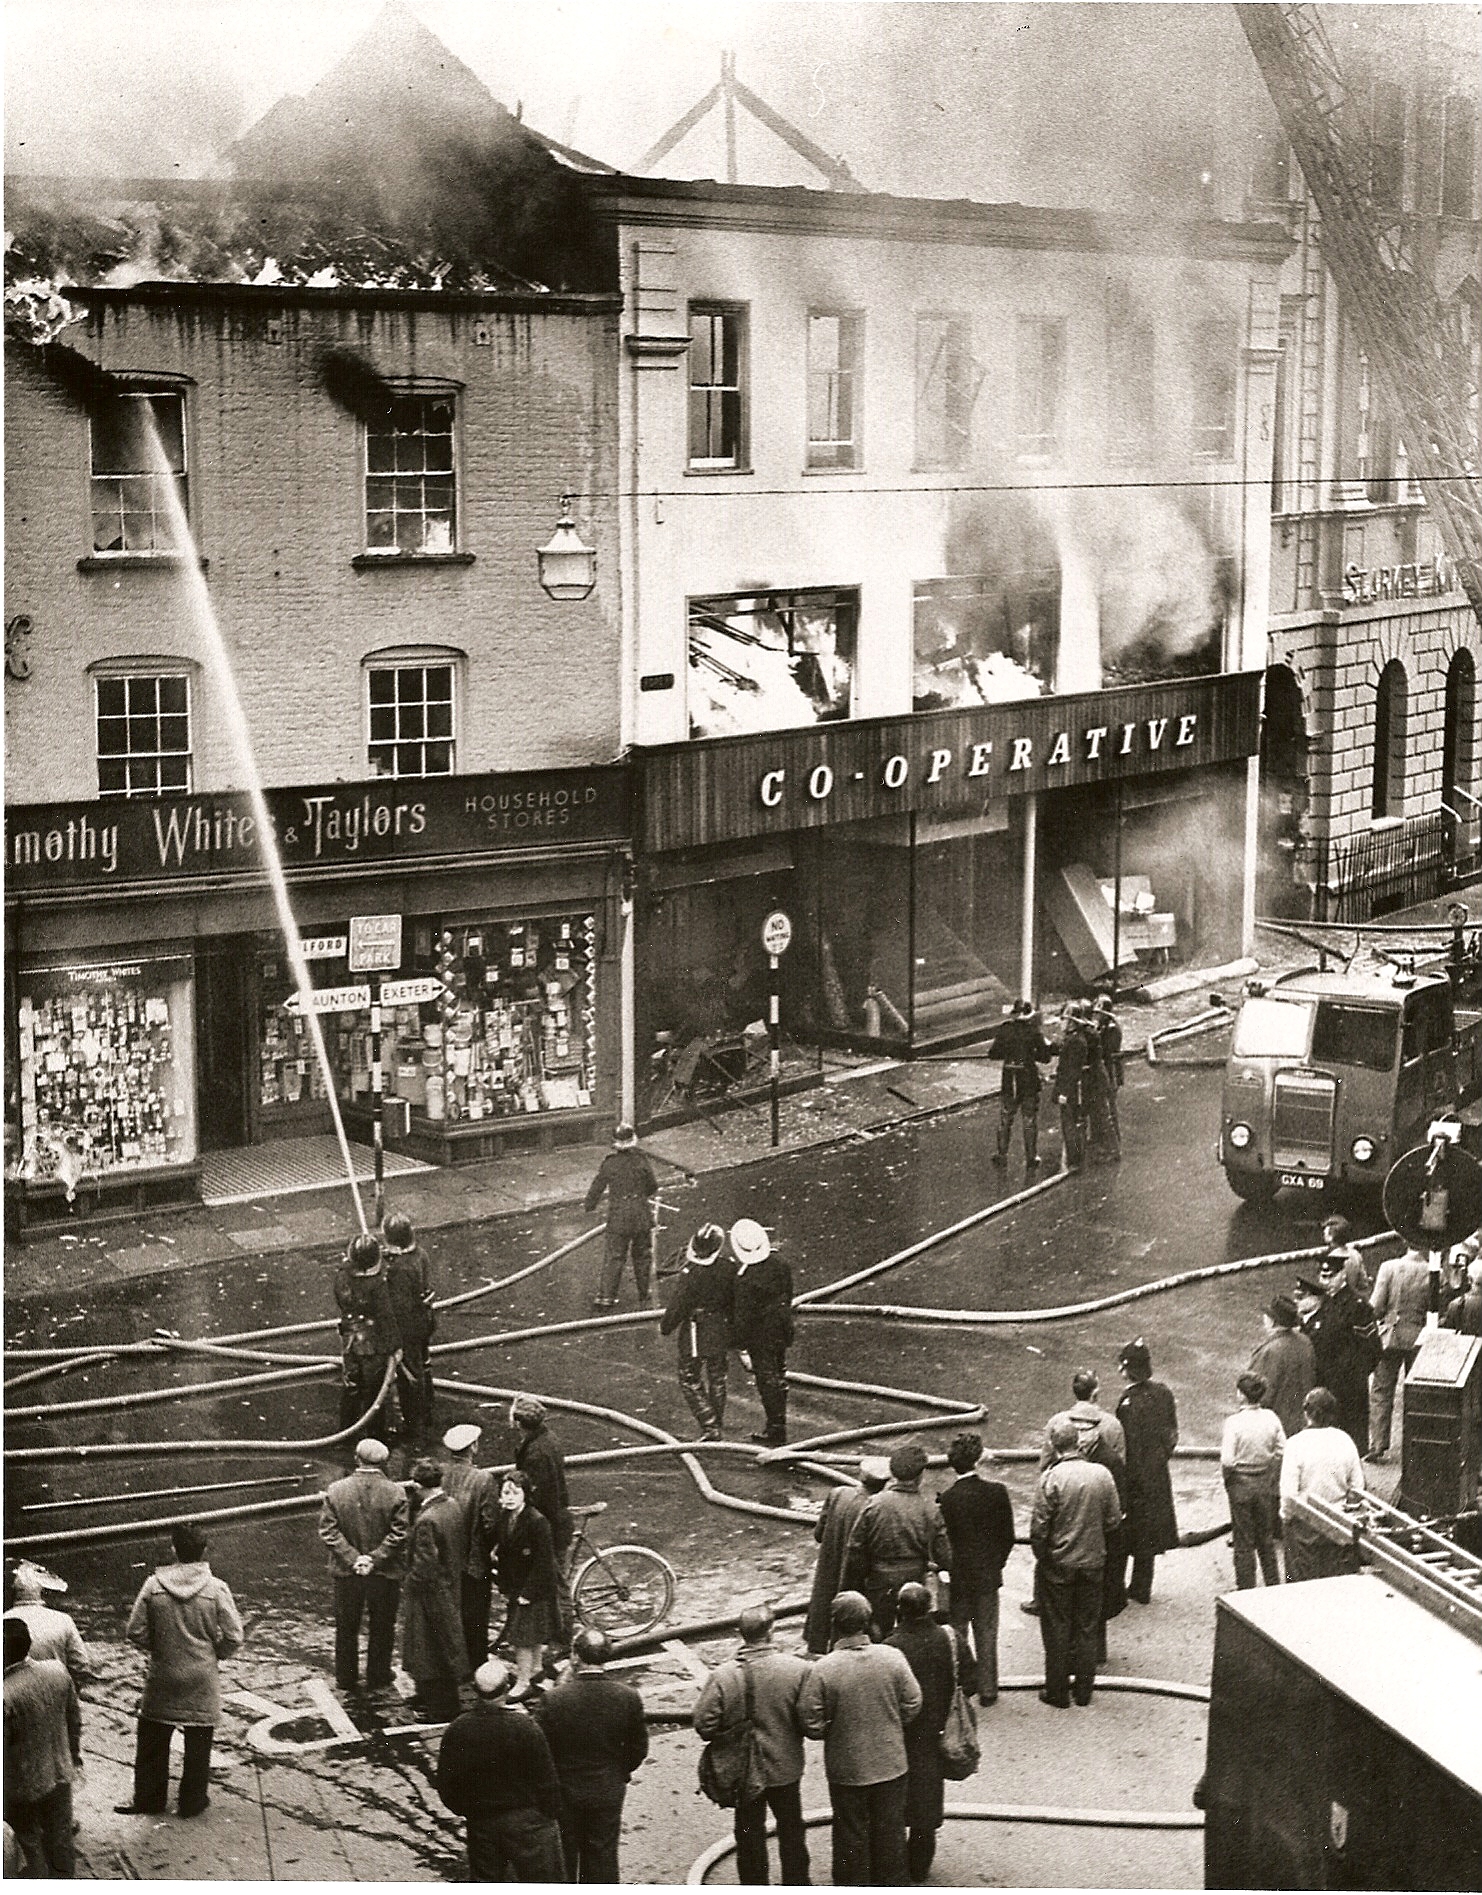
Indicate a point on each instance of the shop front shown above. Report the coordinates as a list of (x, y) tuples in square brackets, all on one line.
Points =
[(153, 1007), (936, 866)]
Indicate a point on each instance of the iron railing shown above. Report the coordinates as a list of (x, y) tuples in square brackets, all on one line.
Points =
[(1357, 878)]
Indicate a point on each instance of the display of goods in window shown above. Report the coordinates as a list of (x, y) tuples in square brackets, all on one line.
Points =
[(105, 1079)]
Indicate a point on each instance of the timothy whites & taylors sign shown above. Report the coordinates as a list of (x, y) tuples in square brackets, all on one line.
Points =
[(941, 760)]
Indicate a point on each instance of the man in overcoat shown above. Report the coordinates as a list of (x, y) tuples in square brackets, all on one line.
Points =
[(363, 1520), (1285, 1362), (833, 1529), (432, 1649), (627, 1177), (1075, 1508), (764, 1324), (927, 1648), (476, 1492), (699, 1315), (1149, 1420)]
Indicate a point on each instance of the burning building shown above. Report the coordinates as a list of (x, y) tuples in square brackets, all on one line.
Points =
[(946, 584)]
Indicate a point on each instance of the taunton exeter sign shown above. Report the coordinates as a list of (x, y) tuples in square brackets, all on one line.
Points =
[(733, 787), (392, 823)]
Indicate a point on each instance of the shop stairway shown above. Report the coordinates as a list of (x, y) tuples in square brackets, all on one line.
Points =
[(956, 992)]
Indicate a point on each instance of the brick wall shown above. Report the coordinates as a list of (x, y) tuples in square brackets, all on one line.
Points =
[(277, 499)]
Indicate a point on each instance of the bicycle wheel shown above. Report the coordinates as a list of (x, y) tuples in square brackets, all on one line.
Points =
[(624, 1591)]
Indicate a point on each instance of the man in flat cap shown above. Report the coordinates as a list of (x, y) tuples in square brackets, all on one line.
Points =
[(899, 1536), (363, 1520), (494, 1769), (475, 1490)]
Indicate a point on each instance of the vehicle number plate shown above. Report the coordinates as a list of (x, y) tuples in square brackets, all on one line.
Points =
[(1302, 1180)]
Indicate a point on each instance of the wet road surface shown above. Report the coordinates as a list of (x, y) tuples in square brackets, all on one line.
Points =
[(1165, 1209)]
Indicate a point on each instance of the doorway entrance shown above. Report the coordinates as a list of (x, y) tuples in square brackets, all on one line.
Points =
[(1281, 887), (222, 995)]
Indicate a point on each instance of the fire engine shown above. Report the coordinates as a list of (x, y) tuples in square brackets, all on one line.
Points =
[(1332, 1076)]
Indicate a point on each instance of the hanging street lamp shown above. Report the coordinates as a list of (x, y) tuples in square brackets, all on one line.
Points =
[(566, 564)]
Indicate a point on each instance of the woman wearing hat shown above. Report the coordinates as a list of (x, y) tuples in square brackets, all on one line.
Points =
[(700, 1314), (1149, 1419), (764, 1321), (525, 1572)]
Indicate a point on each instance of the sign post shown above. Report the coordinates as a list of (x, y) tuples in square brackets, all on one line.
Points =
[(375, 949), (776, 939)]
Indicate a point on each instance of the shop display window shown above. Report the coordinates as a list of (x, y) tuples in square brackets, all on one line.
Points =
[(514, 1031), (106, 1070), (985, 640), (771, 660)]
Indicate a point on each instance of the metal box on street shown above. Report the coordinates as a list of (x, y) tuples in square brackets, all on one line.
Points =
[(1442, 1457)]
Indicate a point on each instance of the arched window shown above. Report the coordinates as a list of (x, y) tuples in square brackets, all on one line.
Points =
[(1389, 741), (1457, 742)]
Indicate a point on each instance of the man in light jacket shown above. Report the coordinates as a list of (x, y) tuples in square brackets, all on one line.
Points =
[(1075, 1509), (186, 1620), (43, 1753), (54, 1634), (859, 1700), (1401, 1303), (363, 1520), (776, 1688)]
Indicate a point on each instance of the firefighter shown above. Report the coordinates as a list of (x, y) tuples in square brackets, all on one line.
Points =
[(701, 1310), (1109, 1040), (1079, 1076), (368, 1334), (1021, 1045)]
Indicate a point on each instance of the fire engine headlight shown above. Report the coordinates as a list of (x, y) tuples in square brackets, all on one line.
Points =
[(1363, 1151), (1240, 1136)]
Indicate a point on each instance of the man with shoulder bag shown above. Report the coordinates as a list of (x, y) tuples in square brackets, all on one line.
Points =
[(749, 1707)]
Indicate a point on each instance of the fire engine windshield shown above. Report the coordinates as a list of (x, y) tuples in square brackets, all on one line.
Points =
[(1355, 1036), (1273, 1029)]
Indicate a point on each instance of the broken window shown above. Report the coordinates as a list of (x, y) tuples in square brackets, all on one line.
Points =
[(947, 384), (833, 390), (1040, 388), (410, 487), (984, 640), (717, 369), (1214, 372), (1387, 144), (771, 660), (143, 734), (411, 719), (1130, 359), (138, 450), (1458, 156)]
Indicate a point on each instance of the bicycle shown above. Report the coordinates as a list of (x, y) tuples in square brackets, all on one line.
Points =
[(624, 1591)]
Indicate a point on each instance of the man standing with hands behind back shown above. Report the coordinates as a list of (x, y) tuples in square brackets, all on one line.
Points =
[(364, 1521)]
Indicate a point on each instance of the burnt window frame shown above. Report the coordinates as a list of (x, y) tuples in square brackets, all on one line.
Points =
[(1214, 391), (426, 393), (127, 681), (397, 663), (959, 379), (851, 330), (784, 603), (1131, 344), (150, 389), (1015, 593), (714, 310), (1388, 114), (1044, 441)]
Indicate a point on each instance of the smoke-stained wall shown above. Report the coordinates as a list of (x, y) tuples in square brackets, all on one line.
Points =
[(1152, 545), (277, 502)]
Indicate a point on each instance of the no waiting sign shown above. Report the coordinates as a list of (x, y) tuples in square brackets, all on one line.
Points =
[(777, 932)]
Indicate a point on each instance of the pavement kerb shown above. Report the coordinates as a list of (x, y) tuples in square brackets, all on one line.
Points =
[(529, 1167)]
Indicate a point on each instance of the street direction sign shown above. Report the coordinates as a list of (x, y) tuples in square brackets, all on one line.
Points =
[(777, 932), (375, 944), (323, 947), (333, 1000), (411, 993)]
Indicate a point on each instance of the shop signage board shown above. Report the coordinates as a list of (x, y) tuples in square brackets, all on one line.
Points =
[(400, 823), (721, 789), (375, 944)]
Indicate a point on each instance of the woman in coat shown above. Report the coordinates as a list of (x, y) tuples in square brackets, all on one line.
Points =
[(432, 1648), (928, 1649), (525, 1572), (186, 1619), (1150, 1422)]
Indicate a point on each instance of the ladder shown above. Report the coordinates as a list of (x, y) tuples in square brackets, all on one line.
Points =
[(1414, 1555), (1418, 357)]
